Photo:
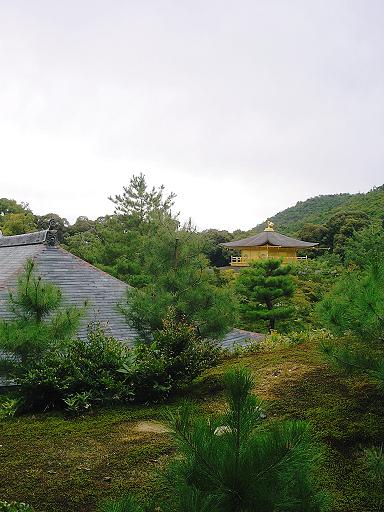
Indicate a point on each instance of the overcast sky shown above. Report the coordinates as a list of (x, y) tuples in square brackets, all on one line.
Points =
[(242, 108)]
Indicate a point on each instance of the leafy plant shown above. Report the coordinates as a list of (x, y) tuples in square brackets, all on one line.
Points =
[(14, 506), (8, 407), (176, 356), (78, 402), (76, 369)]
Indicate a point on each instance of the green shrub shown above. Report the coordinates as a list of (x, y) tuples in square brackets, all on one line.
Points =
[(14, 506), (174, 359), (265, 289), (8, 407), (278, 341), (239, 465), (78, 402), (79, 369)]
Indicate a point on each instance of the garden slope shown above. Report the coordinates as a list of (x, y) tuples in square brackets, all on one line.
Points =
[(60, 464)]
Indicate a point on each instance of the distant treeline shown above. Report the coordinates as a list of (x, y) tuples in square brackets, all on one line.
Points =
[(327, 219)]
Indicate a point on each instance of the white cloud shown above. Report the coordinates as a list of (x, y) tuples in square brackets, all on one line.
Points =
[(241, 108)]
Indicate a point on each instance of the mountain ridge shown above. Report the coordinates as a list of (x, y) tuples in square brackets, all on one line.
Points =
[(320, 209)]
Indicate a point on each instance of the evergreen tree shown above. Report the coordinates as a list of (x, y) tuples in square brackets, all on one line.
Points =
[(355, 306), (118, 243), (140, 204), (39, 321), (176, 275), (262, 287)]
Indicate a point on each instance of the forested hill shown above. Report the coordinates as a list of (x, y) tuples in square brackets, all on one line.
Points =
[(320, 209)]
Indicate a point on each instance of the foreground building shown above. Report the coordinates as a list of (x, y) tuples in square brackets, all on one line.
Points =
[(268, 244)]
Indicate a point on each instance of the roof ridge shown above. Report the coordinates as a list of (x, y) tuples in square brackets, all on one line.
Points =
[(36, 237), (269, 237)]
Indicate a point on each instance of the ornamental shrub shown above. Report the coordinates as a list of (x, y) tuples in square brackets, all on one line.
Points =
[(78, 367), (14, 506), (8, 407), (176, 356), (265, 288)]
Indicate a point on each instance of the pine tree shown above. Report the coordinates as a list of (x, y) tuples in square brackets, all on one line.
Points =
[(177, 277), (355, 306), (263, 286), (39, 321), (141, 204)]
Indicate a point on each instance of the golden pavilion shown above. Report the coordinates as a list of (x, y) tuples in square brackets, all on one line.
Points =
[(268, 244)]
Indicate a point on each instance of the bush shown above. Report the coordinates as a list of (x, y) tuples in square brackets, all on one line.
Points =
[(174, 359), (8, 407), (265, 289), (78, 370), (277, 341), (101, 369), (14, 506), (78, 402)]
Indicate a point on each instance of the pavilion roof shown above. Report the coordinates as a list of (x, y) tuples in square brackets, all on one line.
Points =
[(269, 238)]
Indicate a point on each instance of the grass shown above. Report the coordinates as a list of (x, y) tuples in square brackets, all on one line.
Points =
[(59, 464)]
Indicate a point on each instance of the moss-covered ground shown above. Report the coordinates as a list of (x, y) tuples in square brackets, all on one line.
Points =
[(60, 464)]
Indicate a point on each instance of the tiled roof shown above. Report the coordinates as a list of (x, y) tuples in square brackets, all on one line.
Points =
[(78, 280), (269, 238), (238, 337)]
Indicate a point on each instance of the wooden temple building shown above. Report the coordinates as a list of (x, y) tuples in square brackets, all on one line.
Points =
[(268, 244)]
